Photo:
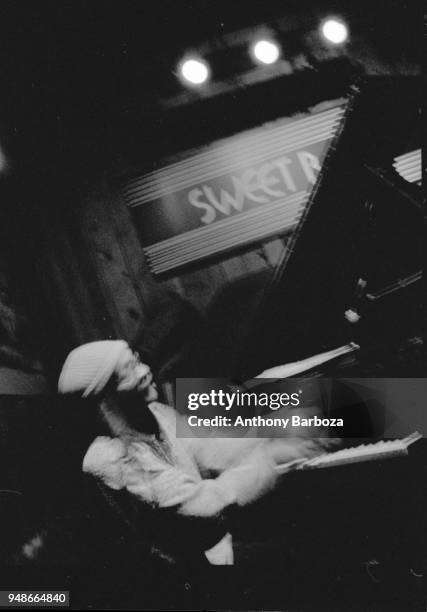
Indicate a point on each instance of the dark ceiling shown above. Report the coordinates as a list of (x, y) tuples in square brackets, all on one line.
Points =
[(78, 57), (90, 67)]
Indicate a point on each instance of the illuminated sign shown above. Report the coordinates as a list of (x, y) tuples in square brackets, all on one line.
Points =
[(237, 191)]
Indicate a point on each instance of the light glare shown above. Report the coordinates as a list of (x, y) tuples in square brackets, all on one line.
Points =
[(195, 71), (266, 51), (335, 31)]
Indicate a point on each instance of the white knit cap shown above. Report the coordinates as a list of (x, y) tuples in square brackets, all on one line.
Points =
[(89, 367)]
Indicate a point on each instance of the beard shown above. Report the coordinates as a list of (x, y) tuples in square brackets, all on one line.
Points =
[(137, 413)]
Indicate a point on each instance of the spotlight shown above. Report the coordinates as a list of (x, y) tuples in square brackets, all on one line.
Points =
[(334, 31), (195, 71), (266, 51)]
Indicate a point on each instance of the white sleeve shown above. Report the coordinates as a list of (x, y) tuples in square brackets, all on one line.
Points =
[(104, 459), (168, 486)]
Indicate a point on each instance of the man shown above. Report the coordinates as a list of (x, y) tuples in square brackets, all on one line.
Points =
[(143, 456)]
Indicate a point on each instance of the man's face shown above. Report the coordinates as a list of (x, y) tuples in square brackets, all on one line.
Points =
[(134, 376)]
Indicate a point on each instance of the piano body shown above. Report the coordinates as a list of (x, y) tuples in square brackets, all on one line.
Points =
[(356, 251), (352, 273)]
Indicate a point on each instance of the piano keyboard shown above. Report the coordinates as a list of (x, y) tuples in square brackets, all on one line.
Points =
[(384, 449)]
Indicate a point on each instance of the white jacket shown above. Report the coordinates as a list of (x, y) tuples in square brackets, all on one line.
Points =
[(244, 471)]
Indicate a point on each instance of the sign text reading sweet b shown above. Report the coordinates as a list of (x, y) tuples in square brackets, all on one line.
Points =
[(234, 192)]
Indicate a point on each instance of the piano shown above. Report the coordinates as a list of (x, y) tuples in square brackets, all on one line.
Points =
[(377, 451), (351, 274), (352, 269)]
